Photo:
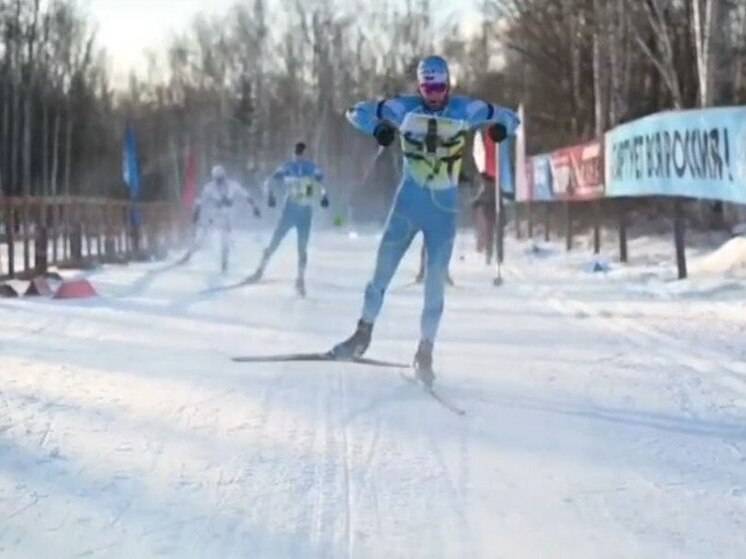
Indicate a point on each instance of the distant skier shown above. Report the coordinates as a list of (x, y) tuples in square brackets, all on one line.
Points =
[(215, 208), (485, 216), (433, 128), (301, 179)]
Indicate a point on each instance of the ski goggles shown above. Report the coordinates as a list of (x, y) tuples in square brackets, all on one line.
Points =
[(429, 88)]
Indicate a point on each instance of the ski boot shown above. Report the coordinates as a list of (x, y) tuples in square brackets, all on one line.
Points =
[(300, 287), (423, 364), (356, 345)]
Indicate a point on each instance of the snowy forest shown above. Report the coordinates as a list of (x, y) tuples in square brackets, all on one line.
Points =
[(241, 88)]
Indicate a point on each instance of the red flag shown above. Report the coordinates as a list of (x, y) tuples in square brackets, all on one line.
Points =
[(484, 154)]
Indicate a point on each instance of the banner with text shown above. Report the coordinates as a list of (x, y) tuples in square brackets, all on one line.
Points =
[(695, 153), (577, 172)]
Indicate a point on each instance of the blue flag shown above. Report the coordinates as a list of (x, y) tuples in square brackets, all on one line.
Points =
[(131, 164), (131, 171)]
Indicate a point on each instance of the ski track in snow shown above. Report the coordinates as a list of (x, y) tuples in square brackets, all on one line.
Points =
[(595, 425), (700, 364)]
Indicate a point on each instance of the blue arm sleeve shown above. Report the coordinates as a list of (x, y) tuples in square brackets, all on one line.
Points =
[(367, 115), (480, 113), (318, 174), (275, 178), (280, 173)]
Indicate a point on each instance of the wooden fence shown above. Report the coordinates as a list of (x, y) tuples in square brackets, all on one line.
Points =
[(36, 233)]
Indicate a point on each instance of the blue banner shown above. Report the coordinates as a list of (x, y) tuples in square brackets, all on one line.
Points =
[(696, 154), (542, 178)]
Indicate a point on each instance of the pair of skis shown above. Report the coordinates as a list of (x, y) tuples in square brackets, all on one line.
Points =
[(300, 288), (251, 280), (328, 356)]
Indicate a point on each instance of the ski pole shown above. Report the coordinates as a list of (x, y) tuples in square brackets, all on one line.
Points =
[(366, 178), (372, 166)]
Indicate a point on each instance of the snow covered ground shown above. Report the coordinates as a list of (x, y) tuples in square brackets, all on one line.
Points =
[(606, 413)]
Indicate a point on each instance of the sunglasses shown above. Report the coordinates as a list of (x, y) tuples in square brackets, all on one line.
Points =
[(428, 88)]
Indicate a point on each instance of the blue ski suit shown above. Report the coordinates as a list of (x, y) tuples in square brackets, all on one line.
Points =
[(433, 144), (301, 179)]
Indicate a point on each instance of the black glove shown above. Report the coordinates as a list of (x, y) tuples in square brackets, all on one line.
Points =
[(271, 201), (324, 201), (384, 134), (497, 132)]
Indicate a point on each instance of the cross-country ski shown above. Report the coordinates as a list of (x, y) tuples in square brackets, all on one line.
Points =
[(322, 356)]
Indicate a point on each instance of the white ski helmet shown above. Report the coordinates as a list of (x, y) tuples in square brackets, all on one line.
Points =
[(433, 70), (217, 173)]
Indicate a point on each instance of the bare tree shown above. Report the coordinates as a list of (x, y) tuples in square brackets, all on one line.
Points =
[(705, 13)]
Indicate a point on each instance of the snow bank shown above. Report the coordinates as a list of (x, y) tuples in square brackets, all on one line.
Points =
[(728, 259)]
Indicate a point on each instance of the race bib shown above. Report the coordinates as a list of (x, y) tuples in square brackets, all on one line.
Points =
[(301, 190), (434, 148)]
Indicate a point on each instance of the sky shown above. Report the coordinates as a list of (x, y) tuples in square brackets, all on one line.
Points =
[(129, 28)]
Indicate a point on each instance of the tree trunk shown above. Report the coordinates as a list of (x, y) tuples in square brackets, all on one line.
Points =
[(56, 153), (15, 142), (6, 139), (576, 84), (45, 147), (68, 151), (598, 68), (664, 61), (704, 13), (27, 123)]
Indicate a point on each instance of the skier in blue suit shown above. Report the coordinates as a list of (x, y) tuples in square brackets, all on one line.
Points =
[(301, 179), (433, 128)]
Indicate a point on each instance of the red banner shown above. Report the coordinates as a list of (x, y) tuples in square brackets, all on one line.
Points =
[(577, 172)]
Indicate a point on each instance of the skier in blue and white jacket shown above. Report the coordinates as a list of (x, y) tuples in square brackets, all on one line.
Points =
[(433, 128), (302, 182)]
